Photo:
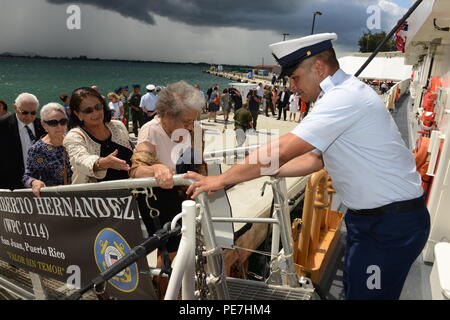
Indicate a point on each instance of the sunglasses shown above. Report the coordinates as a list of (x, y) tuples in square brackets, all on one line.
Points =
[(54, 123), (33, 113), (88, 110)]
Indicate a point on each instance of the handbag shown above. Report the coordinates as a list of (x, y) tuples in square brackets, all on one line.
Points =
[(216, 100)]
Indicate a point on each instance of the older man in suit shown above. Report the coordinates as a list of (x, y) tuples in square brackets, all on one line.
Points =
[(18, 132), (283, 101)]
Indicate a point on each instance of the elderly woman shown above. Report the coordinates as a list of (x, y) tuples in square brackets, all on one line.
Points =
[(99, 148), (47, 162), (160, 144)]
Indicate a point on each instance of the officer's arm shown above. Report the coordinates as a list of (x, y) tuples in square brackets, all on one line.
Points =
[(267, 160), (301, 166), (264, 161)]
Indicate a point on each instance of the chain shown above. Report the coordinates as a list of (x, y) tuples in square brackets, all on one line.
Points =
[(201, 286)]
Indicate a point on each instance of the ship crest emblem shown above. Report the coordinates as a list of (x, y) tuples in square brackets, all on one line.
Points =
[(110, 247)]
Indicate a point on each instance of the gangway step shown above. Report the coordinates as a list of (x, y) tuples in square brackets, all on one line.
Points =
[(240, 289)]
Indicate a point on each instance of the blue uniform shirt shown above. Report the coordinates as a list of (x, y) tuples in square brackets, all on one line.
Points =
[(148, 101), (361, 145)]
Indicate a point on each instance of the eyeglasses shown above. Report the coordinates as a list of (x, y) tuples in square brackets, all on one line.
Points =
[(54, 123), (88, 110), (33, 113)]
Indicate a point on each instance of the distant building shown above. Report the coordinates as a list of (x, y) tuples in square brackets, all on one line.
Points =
[(267, 70)]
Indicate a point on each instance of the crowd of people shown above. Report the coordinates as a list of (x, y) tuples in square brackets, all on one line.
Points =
[(381, 87), (86, 137), (97, 146), (86, 141), (262, 99)]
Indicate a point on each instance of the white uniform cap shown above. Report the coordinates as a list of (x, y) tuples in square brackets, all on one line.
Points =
[(290, 53), (150, 87)]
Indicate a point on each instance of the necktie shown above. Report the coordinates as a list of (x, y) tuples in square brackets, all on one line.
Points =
[(31, 135)]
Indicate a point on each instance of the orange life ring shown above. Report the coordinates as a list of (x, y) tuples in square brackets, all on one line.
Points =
[(421, 151)]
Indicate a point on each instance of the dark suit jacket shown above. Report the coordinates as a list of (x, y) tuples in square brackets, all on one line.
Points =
[(12, 166), (285, 102)]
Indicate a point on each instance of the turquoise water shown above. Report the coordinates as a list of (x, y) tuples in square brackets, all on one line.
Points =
[(48, 78)]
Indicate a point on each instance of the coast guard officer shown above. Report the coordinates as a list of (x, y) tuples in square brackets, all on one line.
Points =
[(148, 103), (351, 133)]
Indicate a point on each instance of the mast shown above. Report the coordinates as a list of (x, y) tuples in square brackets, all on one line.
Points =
[(389, 36)]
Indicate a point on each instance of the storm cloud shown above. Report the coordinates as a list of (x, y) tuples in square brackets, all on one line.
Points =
[(346, 17), (224, 31)]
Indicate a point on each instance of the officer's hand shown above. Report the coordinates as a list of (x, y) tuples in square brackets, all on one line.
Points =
[(210, 184)]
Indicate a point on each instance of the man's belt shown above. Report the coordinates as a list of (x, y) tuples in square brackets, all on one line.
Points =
[(394, 207)]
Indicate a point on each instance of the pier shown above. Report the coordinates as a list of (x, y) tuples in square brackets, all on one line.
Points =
[(242, 77)]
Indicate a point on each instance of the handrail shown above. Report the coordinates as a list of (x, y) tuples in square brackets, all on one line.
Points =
[(214, 253), (391, 96), (215, 260), (211, 155), (178, 180), (246, 220)]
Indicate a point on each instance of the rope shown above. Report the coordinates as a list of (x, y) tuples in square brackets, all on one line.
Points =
[(255, 251)]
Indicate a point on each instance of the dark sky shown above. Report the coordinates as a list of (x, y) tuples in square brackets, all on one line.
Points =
[(232, 31)]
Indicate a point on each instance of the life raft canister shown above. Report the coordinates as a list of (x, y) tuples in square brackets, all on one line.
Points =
[(429, 100), (435, 84)]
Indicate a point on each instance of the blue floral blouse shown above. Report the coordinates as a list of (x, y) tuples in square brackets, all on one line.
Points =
[(46, 163)]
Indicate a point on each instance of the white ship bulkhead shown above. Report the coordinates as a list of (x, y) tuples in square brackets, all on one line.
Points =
[(428, 50), (440, 278)]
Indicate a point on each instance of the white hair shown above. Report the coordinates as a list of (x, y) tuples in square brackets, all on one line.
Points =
[(26, 97), (177, 98), (49, 107)]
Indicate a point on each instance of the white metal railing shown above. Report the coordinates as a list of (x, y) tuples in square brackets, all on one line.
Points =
[(395, 92), (218, 156), (183, 271), (215, 263), (183, 265)]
